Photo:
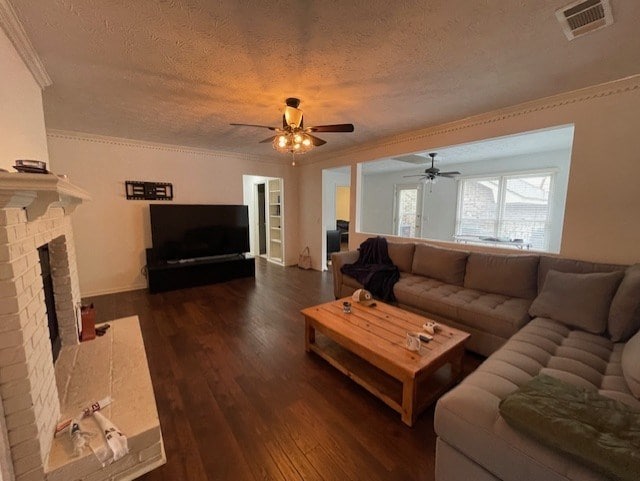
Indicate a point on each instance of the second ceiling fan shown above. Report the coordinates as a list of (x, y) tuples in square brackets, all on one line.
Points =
[(293, 137), (432, 173)]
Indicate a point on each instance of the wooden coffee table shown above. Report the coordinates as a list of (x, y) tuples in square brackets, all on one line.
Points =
[(368, 345)]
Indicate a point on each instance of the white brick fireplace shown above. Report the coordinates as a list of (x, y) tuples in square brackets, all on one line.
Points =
[(34, 394), (34, 211)]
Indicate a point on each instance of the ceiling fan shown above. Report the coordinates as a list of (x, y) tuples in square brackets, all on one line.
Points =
[(293, 137), (432, 173)]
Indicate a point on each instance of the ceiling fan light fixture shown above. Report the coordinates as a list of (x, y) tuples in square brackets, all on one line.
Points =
[(293, 138), (296, 142), (292, 116)]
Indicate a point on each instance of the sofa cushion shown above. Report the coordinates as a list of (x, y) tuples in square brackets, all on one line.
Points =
[(631, 364), (351, 282), (401, 254), (427, 294), (467, 417), (446, 265), (500, 315), (549, 263), (624, 316), (493, 313), (578, 300), (509, 275)]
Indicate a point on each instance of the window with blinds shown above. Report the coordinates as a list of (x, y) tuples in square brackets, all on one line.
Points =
[(506, 207)]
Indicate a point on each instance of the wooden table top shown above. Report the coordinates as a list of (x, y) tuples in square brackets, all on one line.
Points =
[(378, 333)]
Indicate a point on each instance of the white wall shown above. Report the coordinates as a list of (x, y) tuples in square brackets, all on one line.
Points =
[(376, 215), (21, 116), (439, 209), (111, 233), (378, 203), (440, 201), (343, 202), (600, 222)]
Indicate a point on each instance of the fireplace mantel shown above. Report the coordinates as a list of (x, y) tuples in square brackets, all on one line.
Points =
[(37, 192)]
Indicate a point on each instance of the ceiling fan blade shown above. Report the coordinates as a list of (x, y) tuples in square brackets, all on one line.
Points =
[(420, 175), (270, 139), (316, 141), (331, 128), (453, 172), (254, 125)]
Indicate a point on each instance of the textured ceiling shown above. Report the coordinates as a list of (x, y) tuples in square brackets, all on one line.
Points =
[(180, 71)]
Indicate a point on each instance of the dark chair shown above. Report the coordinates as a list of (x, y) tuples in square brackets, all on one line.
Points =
[(333, 242), (343, 227)]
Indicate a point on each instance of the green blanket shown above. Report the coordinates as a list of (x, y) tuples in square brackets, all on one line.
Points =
[(598, 431)]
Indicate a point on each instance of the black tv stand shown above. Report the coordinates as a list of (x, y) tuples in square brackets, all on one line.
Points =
[(177, 274)]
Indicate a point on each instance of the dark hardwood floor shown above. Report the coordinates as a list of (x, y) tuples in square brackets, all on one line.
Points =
[(239, 399)]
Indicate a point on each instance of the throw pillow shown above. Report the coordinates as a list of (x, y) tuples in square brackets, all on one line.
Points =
[(577, 300), (446, 265), (631, 364), (562, 264), (624, 316), (401, 254), (508, 275)]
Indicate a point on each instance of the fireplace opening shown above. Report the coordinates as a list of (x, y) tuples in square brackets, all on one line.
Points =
[(49, 299)]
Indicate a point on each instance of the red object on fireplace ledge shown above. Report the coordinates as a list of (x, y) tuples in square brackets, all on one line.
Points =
[(88, 314)]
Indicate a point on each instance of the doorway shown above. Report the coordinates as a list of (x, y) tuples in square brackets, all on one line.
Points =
[(407, 212), (336, 211), (265, 197)]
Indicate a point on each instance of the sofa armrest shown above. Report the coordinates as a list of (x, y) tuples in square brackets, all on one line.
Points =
[(338, 259)]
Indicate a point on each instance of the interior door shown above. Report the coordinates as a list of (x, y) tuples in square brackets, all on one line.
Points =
[(407, 216)]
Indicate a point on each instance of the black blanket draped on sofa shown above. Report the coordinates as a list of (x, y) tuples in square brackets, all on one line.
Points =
[(374, 269)]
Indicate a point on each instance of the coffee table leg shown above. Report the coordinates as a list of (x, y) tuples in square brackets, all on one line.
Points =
[(409, 394), (309, 334)]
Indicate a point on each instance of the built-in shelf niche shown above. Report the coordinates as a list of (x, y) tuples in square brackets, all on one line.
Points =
[(275, 249)]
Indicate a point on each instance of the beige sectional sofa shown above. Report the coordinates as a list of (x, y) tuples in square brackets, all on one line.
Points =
[(576, 321), (487, 295)]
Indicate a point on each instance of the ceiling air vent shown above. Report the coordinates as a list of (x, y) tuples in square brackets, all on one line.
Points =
[(584, 16), (412, 159)]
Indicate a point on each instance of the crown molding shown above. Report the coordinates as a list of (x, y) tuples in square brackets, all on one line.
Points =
[(103, 139), (585, 94), (12, 26)]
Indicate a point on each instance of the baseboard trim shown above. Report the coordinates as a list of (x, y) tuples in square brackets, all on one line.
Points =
[(113, 290)]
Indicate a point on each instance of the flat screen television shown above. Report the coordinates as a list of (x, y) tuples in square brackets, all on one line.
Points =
[(182, 231)]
